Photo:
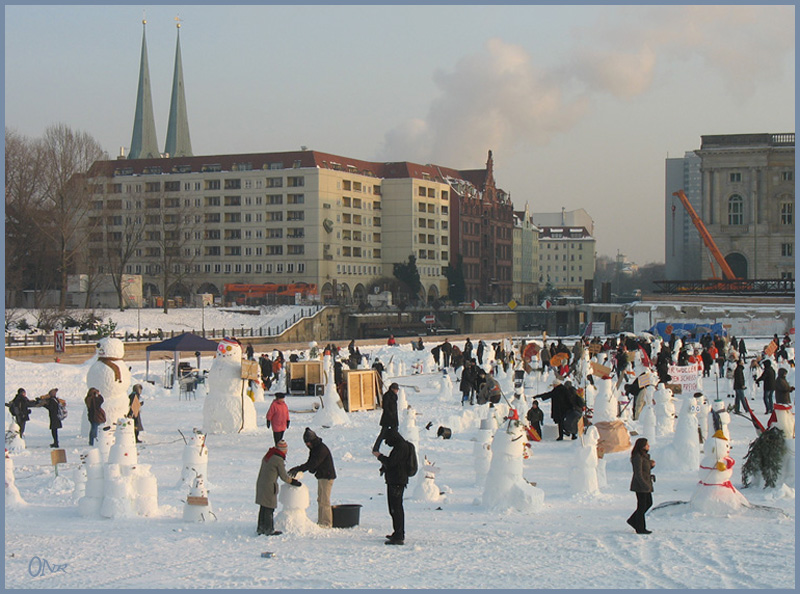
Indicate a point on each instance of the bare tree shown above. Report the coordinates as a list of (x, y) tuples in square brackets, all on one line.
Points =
[(68, 155), (121, 246)]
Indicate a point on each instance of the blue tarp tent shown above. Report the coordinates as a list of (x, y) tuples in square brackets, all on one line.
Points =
[(664, 329), (183, 343)]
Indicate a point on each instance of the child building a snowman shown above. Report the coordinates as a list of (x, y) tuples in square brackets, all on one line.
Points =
[(273, 466)]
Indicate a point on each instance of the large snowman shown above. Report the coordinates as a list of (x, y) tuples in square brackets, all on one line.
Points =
[(227, 409), (715, 494), (111, 376)]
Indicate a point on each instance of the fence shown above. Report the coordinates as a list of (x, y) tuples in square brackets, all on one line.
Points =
[(42, 339)]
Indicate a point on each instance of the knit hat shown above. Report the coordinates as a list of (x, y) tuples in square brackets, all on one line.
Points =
[(394, 386), (282, 446), (309, 435), (280, 394)]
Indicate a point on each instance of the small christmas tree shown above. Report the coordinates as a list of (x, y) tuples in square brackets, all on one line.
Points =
[(765, 457)]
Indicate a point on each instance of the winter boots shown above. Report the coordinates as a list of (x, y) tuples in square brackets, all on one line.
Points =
[(266, 525)]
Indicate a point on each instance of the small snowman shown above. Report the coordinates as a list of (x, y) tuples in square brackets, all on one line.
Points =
[(292, 517), (226, 408), (91, 495), (784, 416), (505, 487), (197, 507), (606, 403), (584, 476), (195, 458), (124, 451), (331, 412), (15, 443), (665, 410), (684, 451), (13, 498), (482, 453), (715, 494), (426, 489)]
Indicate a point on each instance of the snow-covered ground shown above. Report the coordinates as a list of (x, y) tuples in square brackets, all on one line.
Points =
[(571, 542)]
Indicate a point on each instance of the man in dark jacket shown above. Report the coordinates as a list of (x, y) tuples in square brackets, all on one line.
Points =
[(467, 385), (320, 464), (559, 406), (782, 388), (50, 402), (389, 419), (20, 409), (395, 471), (768, 377), (739, 387)]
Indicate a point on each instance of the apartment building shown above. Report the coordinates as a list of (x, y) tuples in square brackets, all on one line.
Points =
[(566, 258), (526, 258)]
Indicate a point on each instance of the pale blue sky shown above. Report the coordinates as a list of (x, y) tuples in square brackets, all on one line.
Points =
[(580, 104)]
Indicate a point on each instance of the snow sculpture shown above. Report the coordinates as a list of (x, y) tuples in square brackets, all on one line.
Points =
[(92, 499), (195, 459), (583, 477), (226, 409), (715, 494), (606, 403), (426, 489), (197, 507), (665, 410), (292, 517), (13, 498), (402, 401), (15, 443), (784, 416), (145, 489), (408, 425), (684, 451), (117, 494), (505, 487), (590, 395), (124, 452), (111, 376), (332, 411), (482, 454), (647, 415)]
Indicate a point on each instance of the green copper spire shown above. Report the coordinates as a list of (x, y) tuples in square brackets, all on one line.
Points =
[(178, 142), (144, 144)]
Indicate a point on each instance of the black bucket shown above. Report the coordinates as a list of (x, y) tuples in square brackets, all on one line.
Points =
[(346, 515)]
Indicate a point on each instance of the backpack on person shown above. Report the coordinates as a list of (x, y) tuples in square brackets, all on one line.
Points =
[(412, 464), (61, 413)]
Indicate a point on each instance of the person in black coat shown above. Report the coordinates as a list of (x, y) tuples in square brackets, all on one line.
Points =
[(479, 351), (94, 412), (768, 377), (559, 398), (51, 404), (20, 409), (535, 418), (739, 387), (320, 464), (641, 484), (395, 470), (467, 386), (389, 418)]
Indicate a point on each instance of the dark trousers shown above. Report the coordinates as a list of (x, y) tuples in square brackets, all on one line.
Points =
[(741, 400), (21, 423), (768, 396), (277, 436), (54, 431), (394, 496), (644, 501), (266, 524), (93, 432)]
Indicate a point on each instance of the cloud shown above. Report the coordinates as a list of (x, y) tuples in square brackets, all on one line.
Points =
[(501, 98)]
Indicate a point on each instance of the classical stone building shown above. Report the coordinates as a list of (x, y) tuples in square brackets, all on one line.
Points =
[(747, 204)]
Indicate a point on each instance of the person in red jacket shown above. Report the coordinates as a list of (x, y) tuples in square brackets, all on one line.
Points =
[(278, 416)]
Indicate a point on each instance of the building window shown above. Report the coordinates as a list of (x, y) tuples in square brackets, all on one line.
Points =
[(787, 176), (787, 249), (787, 213), (301, 267), (735, 210), (736, 177)]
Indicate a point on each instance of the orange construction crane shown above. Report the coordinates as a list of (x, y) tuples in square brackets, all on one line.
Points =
[(707, 239)]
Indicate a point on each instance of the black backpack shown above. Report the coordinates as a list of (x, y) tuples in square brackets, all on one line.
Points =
[(412, 465)]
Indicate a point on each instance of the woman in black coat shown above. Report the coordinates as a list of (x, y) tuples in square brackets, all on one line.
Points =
[(51, 404), (641, 484)]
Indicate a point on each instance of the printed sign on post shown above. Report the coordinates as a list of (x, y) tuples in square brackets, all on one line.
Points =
[(59, 341), (685, 376)]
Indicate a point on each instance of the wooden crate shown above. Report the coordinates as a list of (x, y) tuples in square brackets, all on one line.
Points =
[(362, 389), (309, 371)]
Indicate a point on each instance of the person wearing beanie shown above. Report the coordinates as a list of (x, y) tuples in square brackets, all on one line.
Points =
[(273, 466), (278, 416), (395, 470), (389, 418), (320, 464)]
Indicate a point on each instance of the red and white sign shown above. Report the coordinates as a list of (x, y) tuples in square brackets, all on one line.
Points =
[(430, 319), (59, 341)]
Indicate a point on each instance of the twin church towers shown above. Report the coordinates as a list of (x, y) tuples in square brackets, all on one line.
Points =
[(144, 144)]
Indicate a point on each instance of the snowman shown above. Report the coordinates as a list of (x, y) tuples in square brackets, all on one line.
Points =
[(331, 412), (606, 404), (124, 452), (13, 498), (226, 408), (197, 507), (715, 494), (684, 451), (426, 489), (15, 443), (111, 376), (784, 416), (482, 453), (292, 517), (195, 459), (664, 409), (584, 476), (505, 486)]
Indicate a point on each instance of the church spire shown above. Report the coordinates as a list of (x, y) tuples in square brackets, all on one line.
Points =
[(178, 142), (144, 144)]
